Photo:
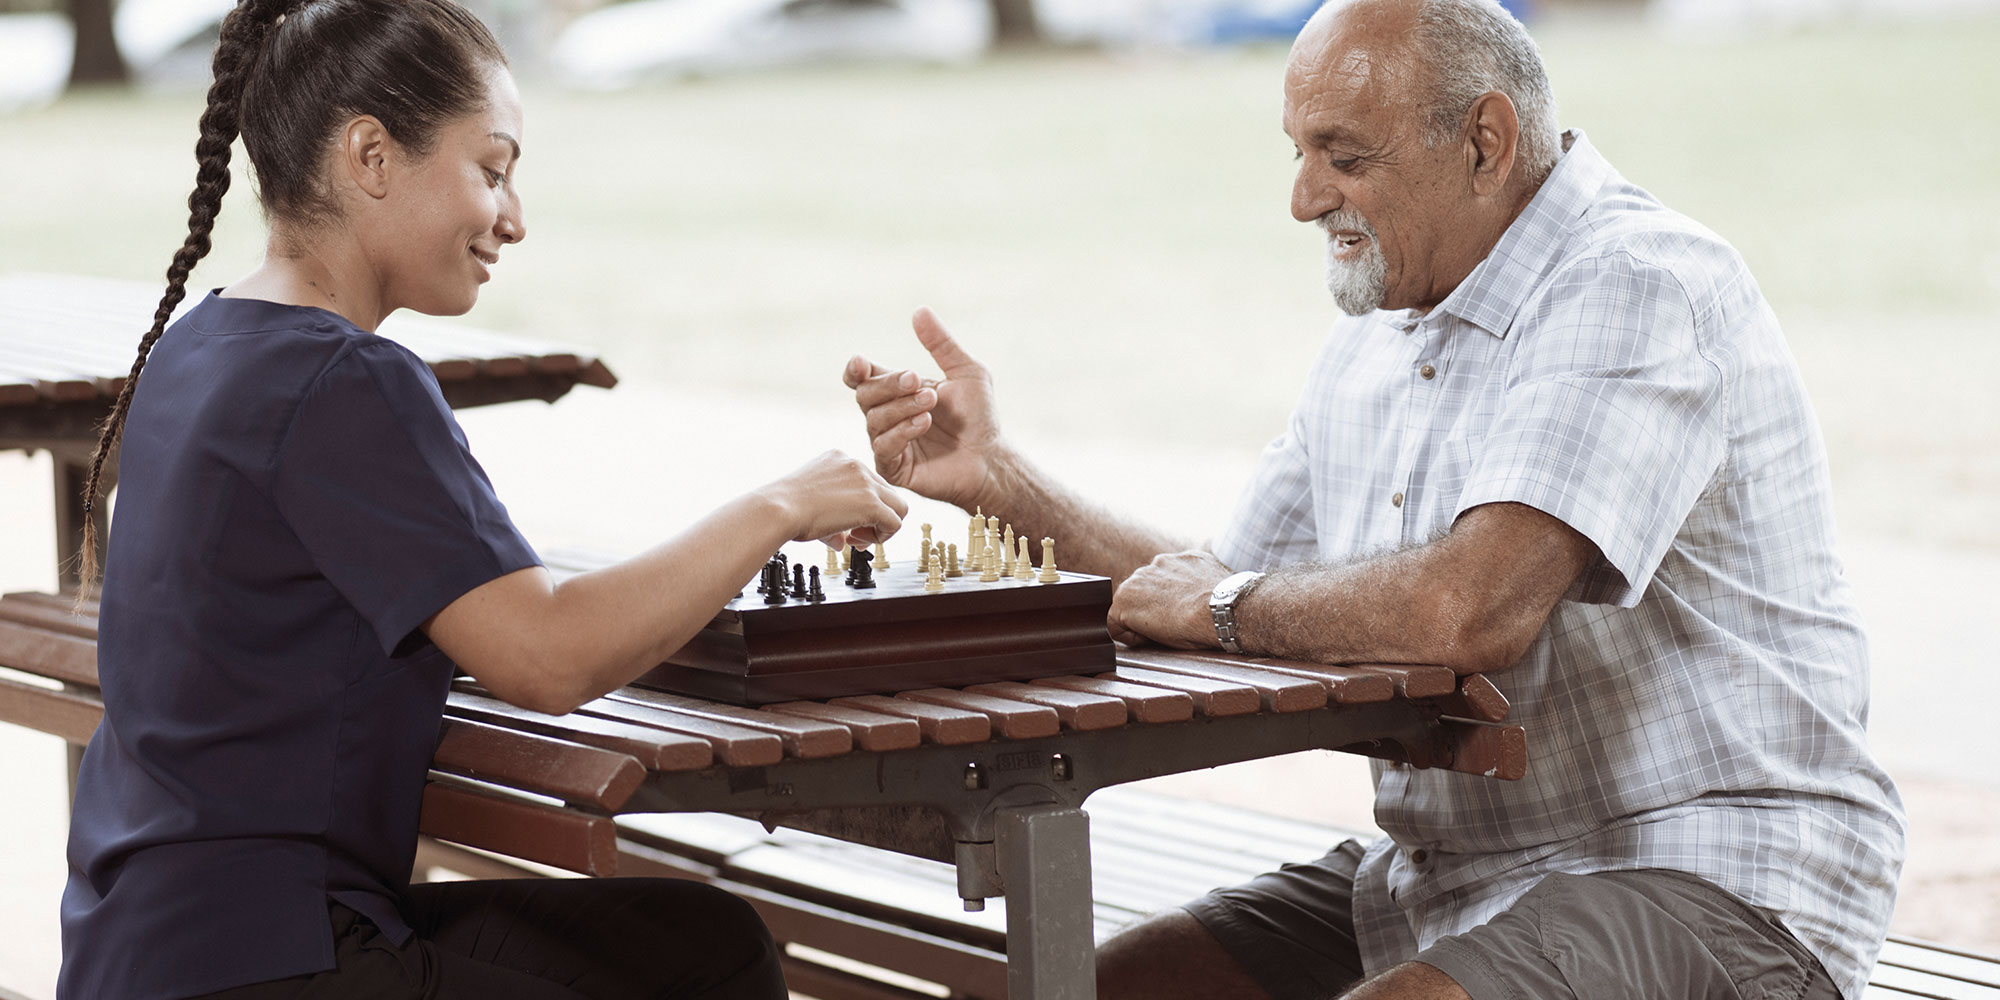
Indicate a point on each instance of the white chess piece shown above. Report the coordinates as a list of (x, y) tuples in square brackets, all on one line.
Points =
[(1048, 561)]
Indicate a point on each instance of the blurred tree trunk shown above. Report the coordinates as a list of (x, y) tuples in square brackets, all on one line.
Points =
[(1014, 22), (97, 59)]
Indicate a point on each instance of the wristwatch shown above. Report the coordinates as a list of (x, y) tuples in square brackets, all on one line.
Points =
[(1222, 603)]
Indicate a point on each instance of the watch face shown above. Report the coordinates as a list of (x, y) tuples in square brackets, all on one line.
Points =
[(1226, 591)]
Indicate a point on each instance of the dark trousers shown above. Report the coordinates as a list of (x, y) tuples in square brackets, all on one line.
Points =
[(549, 939)]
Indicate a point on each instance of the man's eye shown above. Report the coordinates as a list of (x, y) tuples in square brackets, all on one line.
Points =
[(1344, 164), (495, 178)]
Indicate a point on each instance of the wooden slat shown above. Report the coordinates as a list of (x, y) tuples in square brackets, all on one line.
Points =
[(804, 738), (656, 749), (61, 602), (872, 730), (1937, 959), (1344, 685), (1494, 751), (540, 764), (733, 745), (1413, 680), (1145, 703), (1476, 698), (1013, 720), (64, 620), (1076, 709), (939, 724), (33, 650), (72, 715), (1279, 692), (1213, 698), (538, 833)]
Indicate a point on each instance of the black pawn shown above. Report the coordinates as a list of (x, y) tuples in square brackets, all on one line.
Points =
[(813, 593), (864, 572), (798, 581)]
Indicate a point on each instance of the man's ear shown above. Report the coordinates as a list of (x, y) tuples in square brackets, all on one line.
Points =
[(1492, 130), (363, 156)]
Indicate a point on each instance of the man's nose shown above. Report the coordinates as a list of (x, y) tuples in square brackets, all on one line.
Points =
[(1312, 194)]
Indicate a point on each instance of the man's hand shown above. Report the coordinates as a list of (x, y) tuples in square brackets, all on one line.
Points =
[(1166, 601), (935, 436)]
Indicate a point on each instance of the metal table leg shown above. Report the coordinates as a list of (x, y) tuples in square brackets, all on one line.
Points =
[(1044, 856)]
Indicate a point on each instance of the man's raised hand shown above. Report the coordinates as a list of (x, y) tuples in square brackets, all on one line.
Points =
[(934, 436)]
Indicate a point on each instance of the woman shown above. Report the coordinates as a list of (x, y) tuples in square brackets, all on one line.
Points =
[(305, 549)]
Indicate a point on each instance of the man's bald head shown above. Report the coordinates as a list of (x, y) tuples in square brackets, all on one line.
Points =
[(1439, 56)]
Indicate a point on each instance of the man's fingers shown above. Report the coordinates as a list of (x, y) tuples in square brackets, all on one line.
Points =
[(938, 341), (860, 369), (880, 419), (889, 444)]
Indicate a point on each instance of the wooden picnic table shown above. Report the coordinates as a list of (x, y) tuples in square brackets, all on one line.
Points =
[(67, 343), (990, 778)]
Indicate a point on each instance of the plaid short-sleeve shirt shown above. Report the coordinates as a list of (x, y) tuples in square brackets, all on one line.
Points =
[(1699, 700)]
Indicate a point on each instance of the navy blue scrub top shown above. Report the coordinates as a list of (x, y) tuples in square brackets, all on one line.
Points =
[(295, 500)]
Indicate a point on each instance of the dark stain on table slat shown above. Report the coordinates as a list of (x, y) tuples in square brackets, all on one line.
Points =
[(657, 749), (539, 833), (1076, 709), (1013, 720), (1146, 704), (14, 393), (1214, 698), (872, 730), (803, 738), (938, 724), (454, 369), (1476, 698), (547, 766), (736, 746), (1278, 692), (67, 658)]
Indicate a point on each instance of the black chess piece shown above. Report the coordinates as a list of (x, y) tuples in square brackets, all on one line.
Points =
[(799, 581), (813, 593), (863, 569), (774, 582)]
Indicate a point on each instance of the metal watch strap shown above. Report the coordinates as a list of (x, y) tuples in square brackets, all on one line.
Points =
[(1222, 608)]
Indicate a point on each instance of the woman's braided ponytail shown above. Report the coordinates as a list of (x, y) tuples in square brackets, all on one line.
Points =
[(243, 35)]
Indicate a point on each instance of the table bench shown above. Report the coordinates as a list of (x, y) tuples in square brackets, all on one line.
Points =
[(516, 793), (987, 780)]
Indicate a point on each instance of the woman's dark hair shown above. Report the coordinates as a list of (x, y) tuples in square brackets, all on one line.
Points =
[(288, 74)]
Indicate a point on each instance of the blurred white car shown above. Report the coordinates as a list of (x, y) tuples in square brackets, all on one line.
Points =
[(647, 39)]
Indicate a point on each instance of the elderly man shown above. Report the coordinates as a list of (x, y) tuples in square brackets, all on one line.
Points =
[(1560, 434)]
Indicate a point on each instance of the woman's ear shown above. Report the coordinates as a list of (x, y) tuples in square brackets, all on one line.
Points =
[(363, 156)]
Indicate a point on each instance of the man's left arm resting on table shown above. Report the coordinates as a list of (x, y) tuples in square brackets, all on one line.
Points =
[(1472, 600)]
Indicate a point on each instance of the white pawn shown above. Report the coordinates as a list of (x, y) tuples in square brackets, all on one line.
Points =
[(989, 563), (1048, 561), (832, 562), (881, 555), (934, 573)]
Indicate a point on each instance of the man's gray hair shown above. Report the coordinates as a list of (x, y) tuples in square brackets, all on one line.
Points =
[(1472, 47)]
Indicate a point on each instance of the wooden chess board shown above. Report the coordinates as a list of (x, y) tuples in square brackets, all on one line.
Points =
[(894, 637)]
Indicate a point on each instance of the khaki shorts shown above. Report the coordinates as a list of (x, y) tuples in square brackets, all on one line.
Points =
[(1647, 934)]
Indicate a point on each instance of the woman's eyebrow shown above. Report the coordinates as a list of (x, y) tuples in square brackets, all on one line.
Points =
[(511, 141)]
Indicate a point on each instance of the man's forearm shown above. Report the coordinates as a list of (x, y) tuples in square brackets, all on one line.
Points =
[(1472, 600), (1089, 537)]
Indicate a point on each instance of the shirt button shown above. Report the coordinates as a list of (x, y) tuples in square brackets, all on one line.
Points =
[(1396, 501), (1419, 856), (1428, 371)]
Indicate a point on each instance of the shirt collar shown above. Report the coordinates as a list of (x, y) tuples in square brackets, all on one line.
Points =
[(1493, 294)]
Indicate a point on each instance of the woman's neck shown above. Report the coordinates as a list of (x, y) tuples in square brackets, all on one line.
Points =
[(323, 274)]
